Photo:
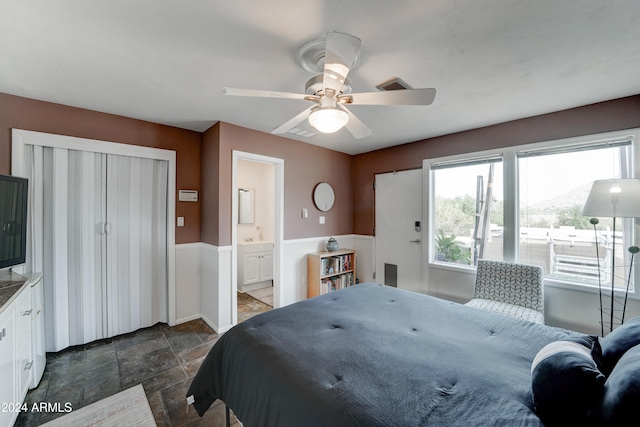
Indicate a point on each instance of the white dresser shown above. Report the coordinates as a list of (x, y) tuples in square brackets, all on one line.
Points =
[(38, 351), (22, 355)]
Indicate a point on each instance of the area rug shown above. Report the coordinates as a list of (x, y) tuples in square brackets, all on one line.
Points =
[(127, 408)]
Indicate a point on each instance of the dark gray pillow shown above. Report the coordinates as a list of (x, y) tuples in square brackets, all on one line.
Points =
[(618, 342), (566, 382), (619, 403)]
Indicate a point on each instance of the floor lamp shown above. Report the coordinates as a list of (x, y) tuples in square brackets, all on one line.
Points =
[(614, 198)]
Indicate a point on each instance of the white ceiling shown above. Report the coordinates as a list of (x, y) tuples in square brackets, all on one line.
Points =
[(167, 61)]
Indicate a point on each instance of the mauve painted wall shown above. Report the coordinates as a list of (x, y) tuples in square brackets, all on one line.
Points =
[(209, 229), (29, 114), (305, 166), (607, 116), (204, 160)]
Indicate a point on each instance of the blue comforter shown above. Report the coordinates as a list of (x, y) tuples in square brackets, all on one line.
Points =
[(372, 355)]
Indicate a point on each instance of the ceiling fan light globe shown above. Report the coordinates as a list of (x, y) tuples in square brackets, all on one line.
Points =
[(328, 120)]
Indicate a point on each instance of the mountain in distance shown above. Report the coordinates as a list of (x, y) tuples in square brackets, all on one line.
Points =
[(577, 196)]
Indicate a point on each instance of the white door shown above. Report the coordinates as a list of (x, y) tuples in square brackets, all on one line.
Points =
[(399, 222)]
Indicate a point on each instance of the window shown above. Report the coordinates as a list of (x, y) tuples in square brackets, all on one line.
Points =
[(524, 204), (553, 233), (468, 215)]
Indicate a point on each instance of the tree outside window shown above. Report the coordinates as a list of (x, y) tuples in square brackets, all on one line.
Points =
[(468, 211)]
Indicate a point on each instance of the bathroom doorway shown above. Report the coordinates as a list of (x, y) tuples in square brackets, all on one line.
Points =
[(257, 238)]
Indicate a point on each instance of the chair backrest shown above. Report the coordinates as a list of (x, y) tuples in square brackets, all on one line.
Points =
[(512, 283)]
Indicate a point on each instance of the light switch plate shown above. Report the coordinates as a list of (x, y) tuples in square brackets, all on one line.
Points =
[(180, 221), (321, 220)]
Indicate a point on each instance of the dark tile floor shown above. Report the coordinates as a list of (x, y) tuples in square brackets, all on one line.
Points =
[(163, 359)]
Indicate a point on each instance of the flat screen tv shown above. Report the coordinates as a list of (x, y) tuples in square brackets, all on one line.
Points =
[(13, 220)]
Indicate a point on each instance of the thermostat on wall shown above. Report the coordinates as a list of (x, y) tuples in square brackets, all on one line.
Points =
[(187, 195)]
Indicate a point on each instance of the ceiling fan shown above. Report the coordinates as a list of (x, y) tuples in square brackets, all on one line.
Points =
[(330, 91)]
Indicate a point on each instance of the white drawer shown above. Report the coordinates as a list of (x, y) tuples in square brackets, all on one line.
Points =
[(23, 315), (256, 247)]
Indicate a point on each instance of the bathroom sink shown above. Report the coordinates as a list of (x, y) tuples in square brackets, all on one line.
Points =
[(254, 242)]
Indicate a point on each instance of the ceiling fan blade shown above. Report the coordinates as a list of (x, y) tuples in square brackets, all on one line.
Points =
[(285, 127), (358, 129), (392, 97), (341, 53), (263, 93)]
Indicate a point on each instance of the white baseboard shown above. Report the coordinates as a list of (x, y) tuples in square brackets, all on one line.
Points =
[(188, 319), (214, 326)]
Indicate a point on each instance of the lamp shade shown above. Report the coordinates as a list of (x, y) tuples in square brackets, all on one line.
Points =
[(618, 198), (328, 120)]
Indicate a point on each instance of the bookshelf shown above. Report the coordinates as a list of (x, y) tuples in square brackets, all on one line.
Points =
[(330, 271)]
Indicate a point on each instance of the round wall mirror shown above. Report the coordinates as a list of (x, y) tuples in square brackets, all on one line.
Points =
[(323, 196)]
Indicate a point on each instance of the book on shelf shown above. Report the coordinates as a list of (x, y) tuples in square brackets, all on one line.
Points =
[(336, 264), (330, 271), (336, 283)]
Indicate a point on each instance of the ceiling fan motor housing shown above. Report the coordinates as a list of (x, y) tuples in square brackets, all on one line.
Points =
[(314, 86), (311, 58)]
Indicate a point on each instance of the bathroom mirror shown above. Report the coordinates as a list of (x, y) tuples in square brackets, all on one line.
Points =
[(323, 196), (246, 206)]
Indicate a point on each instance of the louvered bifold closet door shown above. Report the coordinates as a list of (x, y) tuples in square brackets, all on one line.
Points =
[(136, 243)]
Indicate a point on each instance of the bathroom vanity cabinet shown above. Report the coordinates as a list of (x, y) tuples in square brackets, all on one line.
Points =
[(255, 265)]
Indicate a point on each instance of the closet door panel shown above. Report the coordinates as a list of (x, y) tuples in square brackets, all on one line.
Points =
[(158, 232), (117, 263), (85, 246), (55, 256), (136, 243), (65, 245)]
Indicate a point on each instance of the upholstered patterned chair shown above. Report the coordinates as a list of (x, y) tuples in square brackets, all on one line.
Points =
[(514, 290)]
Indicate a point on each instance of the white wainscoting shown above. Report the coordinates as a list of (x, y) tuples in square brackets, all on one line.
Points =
[(188, 278), (200, 268), (366, 257), (203, 276), (215, 286), (294, 276)]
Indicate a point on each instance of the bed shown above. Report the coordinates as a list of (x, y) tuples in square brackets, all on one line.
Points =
[(372, 355)]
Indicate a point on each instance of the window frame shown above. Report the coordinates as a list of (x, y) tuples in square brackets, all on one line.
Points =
[(510, 195), (435, 166)]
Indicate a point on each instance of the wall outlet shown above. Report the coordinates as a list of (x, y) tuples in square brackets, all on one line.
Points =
[(321, 219)]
